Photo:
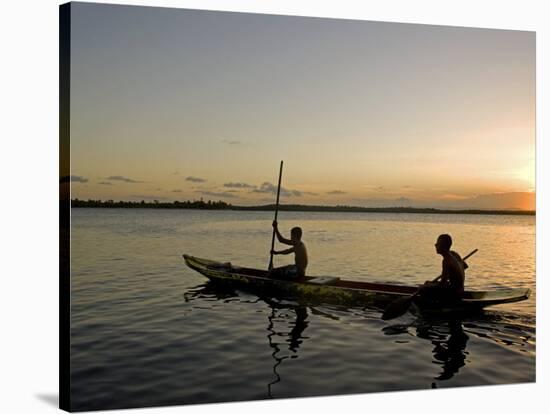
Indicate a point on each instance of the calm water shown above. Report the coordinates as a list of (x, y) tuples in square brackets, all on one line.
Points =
[(146, 330)]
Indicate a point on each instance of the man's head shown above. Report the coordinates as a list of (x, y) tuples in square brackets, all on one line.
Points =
[(443, 244), (296, 234)]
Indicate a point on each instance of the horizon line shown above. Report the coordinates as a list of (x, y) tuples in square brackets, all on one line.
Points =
[(302, 207)]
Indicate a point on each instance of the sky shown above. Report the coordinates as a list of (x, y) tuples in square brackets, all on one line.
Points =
[(175, 104)]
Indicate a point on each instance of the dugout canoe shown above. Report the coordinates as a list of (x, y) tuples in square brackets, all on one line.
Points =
[(333, 289)]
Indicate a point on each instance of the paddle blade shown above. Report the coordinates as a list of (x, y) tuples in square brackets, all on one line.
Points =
[(397, 308)]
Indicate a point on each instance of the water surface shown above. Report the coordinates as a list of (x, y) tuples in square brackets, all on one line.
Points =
[(146, 330)]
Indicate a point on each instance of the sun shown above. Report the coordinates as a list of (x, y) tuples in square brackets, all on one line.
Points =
[(526, 174)]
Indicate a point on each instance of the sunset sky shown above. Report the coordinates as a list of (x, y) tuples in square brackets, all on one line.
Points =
[(174, 104)]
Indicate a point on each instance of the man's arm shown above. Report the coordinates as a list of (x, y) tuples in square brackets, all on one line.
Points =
[(435, 281), (279, 237), (445, 272), (459, 260), (287, 251)]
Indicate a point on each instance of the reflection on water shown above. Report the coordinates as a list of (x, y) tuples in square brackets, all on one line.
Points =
[(448, 339), (294, 341), (278, 323), (449, 348)]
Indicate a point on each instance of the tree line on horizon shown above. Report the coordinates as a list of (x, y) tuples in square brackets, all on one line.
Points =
[(222, 205), (197, 204)]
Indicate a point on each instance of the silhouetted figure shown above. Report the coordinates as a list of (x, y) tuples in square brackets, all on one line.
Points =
[(298, 269), (449, 287)]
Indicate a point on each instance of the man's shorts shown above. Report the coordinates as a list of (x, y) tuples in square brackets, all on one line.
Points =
[(289, 272)]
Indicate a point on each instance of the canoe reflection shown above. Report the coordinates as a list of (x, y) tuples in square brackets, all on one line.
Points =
[(287, 323)]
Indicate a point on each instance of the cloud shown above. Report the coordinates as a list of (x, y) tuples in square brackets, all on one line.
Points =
[(403, 200), (495, 201), (335, 192), (225, 194), (272, 189), (453, 197), (372, 187), (195, 179), (239, 185), (231, 142), (386, 202), (73, 179), (410, 189), (147, 197), (123, 179), (105, 183), (266, 188)]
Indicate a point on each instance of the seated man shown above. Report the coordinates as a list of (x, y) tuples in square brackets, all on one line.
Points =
[(298, 269), (451, 286)]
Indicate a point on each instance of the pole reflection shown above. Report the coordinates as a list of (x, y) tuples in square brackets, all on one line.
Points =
[(285, 320), (295, 335)]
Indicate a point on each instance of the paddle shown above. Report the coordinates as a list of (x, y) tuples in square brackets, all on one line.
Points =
[(399, 306), (276, 211)]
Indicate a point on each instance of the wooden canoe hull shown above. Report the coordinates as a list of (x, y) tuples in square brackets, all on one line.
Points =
[(342, 292)]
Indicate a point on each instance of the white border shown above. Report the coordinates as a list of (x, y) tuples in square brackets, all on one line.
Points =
[(29, 163)]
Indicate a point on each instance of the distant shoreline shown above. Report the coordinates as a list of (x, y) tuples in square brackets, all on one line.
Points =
[(221, 205)]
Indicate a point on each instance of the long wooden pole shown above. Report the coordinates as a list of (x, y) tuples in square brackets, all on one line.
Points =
[(276, 211)]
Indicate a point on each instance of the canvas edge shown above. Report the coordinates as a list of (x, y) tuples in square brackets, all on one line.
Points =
[(64, 206)]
